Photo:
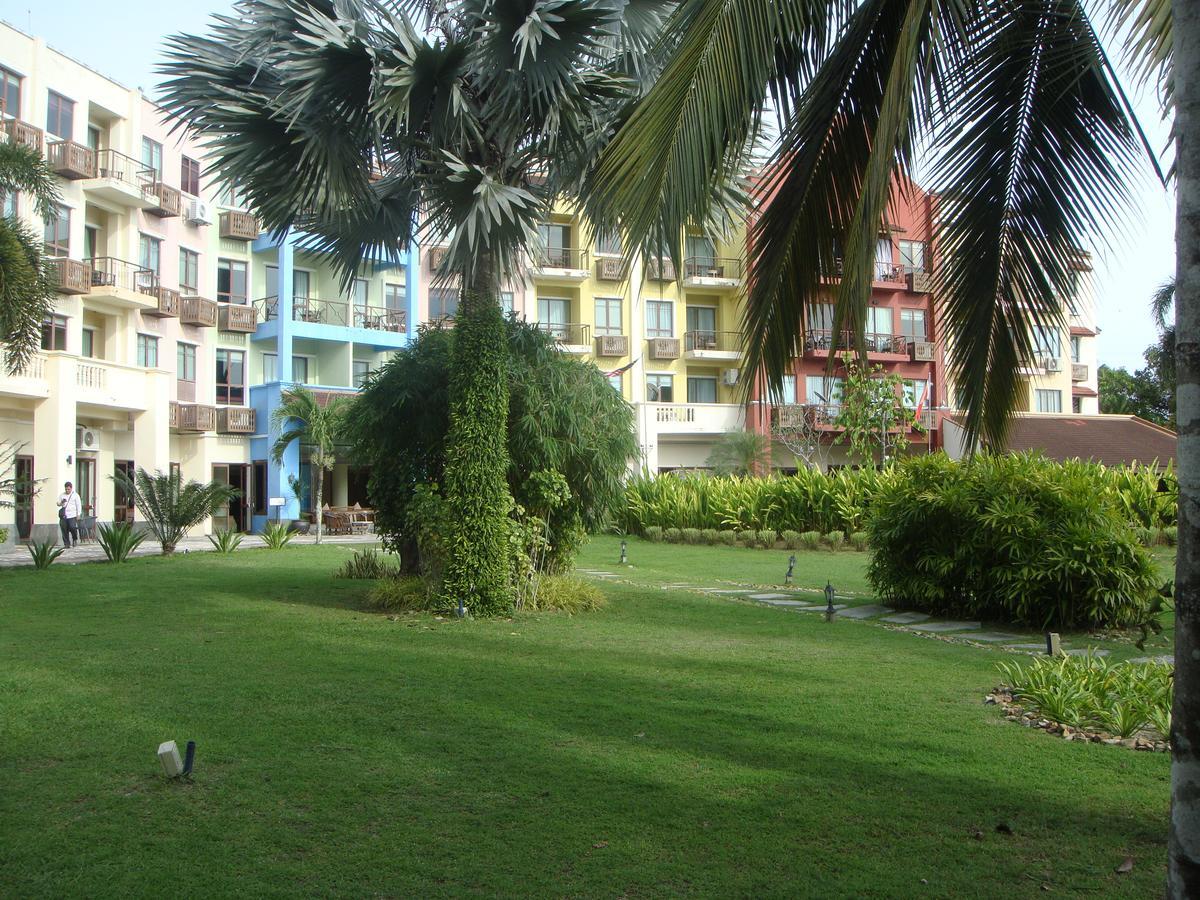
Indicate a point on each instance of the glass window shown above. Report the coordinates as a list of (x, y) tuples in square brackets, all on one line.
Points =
[(820, 317), (1046, 341), (54, 333), (554, 313), (912, 324), (506, 302), (88, 347), (1048, 401), (823, 391), (609, 244), (660, 388), (787, 390), (660, 316), (231, 376), (147, 351), (1076, 347), (10, 94), (230, 197), (8, 204), (608, 315), (300, 369), (362, 368), (60, 116), (56, 234), (702, 389), (914, 393), (301, 283), (189, 176), (231, 281), (150, 253), (394, 296), (614, 379), (270, 368), (260, 487), (443, 303), (1076, 404), (883, 259), (912, 256), (93, 137), (189, 272), (702, 319), (361, 294), (556, 243), (879, 321), (152, 157), (185, 361), (91, 239), (700, 247)]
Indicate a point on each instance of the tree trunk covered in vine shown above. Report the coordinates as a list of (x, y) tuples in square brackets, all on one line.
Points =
[(1184, 850)]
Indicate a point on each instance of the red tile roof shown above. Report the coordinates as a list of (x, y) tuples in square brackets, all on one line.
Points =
[(1110, 439)]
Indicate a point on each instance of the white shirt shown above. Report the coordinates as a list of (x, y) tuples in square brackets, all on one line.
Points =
[(72, 505)]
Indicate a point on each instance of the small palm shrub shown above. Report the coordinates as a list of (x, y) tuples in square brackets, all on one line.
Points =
[(728, 538), (564, 593), (171, 506), (654, 533), (765, 538), (400, 594), (691, 535), (369, 563), (225, 541), (276, 535), (44, 554), (860, 541), (834, 540), (1170, 535), (1147, 537), (118, 540), (1008, 538), (709, 536), (791, 539), (746, 536), (674, 535), (810, 540)]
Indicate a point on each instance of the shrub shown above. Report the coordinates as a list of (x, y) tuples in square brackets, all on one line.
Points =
[(834, 540), (3, 535), (400, 594), (765, 538), (1009, 538), (1147, 537), (860, 541), (654, 533), (170, 505), (710, 535), (118, 540), (674, 535), (791, 539), (44, 554), (747, 536), (1170, 535), (810, 540), (564, 593), (369, 563), (225, 541), (728, 538), (691, 536), (276, 535)]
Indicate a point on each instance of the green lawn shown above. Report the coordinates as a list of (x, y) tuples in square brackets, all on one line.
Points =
[(672, 743)]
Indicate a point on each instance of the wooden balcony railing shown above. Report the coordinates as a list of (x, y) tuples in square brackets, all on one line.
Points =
[(822, 340), (195, 417), (168, 200), (723, 341), (238, 226), (173, 415), (236, 420), (268, 307), (168, 302), (198, 311), (71, 275), (71, 160), (23, 133), (824, 416), (234, 317)]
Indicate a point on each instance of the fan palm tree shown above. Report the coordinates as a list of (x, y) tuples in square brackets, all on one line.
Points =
[(301, 417), (169, 506), (27, 288), (1030, 145), (347, 119)]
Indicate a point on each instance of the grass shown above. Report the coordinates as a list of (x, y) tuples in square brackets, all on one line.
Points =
[(671, 743)]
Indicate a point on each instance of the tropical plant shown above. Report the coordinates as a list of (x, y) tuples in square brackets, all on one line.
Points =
[(169, 506), (118, 540), (276, 535), (28, 283), (741, 453), (315, 424), (44, 553), (565, 593), (369, 563), (872, 416), (225, 541)]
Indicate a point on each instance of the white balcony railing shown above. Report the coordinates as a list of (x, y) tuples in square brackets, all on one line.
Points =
[(695, 418)]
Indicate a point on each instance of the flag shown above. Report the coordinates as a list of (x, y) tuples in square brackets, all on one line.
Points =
[(625, 368), (921, 404)]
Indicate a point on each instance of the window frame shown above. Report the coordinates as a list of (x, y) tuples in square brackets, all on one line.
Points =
[(441, 293), (185, 353), (393, 291), (360, 370), (87, 342), (10, 80), (189, 176), (145, 343), (696, 380), (608, 304), (63, 219), (155, 150), (660, 380), (226, 265), (656, 330), (150, 253), (907, 316), (189, 272), (907, 261), (54, 327), (1042, 394), (64, 105), (229, 392), (306, 359)]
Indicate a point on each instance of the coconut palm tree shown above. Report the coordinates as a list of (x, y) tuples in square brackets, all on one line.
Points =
[(347, 119), (301, 417), (27, 289), (1030, 145)]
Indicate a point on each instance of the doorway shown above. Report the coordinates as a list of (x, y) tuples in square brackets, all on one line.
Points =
[(122, 500), (23, 491), (234, 515), (85, 483)]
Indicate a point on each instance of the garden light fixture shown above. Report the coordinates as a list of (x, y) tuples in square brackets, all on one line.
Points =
[(624, 556), (829, 595), (787, 579)]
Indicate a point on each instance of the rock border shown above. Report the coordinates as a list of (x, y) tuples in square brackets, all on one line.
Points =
[(1148, 741)]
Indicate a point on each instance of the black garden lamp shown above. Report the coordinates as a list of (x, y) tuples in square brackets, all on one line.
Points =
[(787, 579), (624, 555), (829, 595)]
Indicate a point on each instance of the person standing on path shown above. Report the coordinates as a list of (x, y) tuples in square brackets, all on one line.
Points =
[(70, 508)]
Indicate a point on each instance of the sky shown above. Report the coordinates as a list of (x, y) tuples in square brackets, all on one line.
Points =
[(1131, 260)]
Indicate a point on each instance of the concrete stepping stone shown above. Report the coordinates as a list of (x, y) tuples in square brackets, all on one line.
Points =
[(770, 596), (944, 626), (724, 591), (869, 611), (1041, 646), (821, 607), (786, 603), (1084, 652), (906, 618), (1168, 658), (994, 637)]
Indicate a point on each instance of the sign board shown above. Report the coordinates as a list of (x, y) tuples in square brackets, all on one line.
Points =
[(276, 501)]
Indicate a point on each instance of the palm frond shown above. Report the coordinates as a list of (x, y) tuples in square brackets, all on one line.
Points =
[(1162, 301)]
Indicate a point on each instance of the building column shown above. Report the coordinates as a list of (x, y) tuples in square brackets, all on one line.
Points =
[(412, 275), (151, 434), (341, 485), (283, 292), (53, 445)]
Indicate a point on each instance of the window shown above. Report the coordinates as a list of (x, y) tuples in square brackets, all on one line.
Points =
[(1048, 401), (270, 368), (608, 244), (91, 240), (60, 114), (231, 376), (150, 253), (883, 259), (185, 362), (88, 345), (1076, 347), (912, 324), (914, 392), (10, 94), (608, 315), (660, 315), (820, 317), (300, 369), (362, 368), (879, 321), (556, 244), (152, 157), (506, 302), (259, 487), (147, 351), (231, 281), (700, 247), (189, 272), (173, 469), (231, 197), (787, 390), (361, 295), (1046, 341), (394, 296), (189, 176), (54, 333), (823, 391), (614, 379), (702, 389), (703, 320), (8, 204), (554, 314), (301, 283), (443, 303), (56, 234), (660, 388), (93, 137), (1076, 404), (912, 256)]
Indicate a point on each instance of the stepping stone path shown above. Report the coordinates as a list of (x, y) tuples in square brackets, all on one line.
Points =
[(1085, 652), (769, 596), (1041, 646), (799, 604), (906, 618), (1169, 659), (714, 591), (821, 607), (870, 611), (994, 637), (944, 626)]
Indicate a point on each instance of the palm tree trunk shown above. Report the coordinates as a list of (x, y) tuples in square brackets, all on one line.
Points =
[(320, 467), (1183, 869)]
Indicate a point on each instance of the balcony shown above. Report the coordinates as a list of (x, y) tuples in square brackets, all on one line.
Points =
[(238, 226), (29, 381), (571, 337), (695, 418), (379, 318), (612, 268), (725, 346), (166, 302), (197, 311), (612, 345), (196, 418), (713, 272), (110, 384), (663, 348), (167, 201), (561, 265), (321, 312), (1079, 372), (122, 283), (882, 347), (236, 420), (23, 133), (121, 183), (70, 275), (71, 160), (236, 318), (659, 269), (887, 274)]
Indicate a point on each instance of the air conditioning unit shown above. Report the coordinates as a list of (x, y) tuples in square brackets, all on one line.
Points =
[(88, 439), (612, 345), (198, 213), (729, 377), (922, 351), (1052, 364), (437, 256), (610, 268)]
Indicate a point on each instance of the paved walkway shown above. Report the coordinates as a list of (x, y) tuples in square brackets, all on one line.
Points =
[(90, 552)]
